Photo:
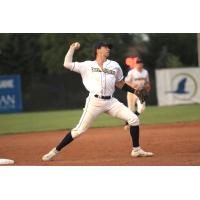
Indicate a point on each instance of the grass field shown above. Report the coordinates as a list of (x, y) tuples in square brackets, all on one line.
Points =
[(57, 120)]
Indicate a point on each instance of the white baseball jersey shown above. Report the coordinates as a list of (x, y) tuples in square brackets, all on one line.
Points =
[(96, 80), (135, 76)]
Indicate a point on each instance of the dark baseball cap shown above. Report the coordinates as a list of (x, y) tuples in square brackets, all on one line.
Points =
[(100, 44)]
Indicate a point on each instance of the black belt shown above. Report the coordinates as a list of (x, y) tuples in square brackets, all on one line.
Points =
[(102, 97)]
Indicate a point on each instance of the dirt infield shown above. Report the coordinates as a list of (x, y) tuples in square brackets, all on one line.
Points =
[(177, 144)]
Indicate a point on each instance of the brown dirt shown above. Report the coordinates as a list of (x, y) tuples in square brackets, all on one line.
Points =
[(177, 144)]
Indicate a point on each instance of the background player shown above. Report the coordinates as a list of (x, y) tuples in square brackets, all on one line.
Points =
[(139, 78), (100, 78)]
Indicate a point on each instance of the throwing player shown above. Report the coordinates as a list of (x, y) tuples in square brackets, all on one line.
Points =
[(139, 78), (100, 78)]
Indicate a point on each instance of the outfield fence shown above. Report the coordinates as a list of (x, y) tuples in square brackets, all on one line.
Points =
[(64, 91)]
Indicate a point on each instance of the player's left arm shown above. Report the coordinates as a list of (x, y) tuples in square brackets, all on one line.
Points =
[(121, 83), (125, 86), (142, 94)]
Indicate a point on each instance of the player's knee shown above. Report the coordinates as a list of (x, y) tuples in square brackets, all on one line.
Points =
[(76, 133), (134, 120)]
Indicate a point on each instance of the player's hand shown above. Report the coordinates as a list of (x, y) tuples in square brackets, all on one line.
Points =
[(75, 46)]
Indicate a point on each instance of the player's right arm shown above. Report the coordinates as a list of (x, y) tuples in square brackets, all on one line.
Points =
[(68, 62)]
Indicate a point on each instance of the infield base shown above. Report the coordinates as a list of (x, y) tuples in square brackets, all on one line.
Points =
[(4, 161)]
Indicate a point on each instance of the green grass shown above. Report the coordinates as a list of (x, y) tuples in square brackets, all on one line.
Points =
[(57, 120), (171, 114)]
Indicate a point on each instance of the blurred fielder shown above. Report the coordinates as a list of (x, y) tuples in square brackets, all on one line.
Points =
[(100, 77), (138, 77)]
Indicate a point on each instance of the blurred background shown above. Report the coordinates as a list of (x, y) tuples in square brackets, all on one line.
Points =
[(46, 85)]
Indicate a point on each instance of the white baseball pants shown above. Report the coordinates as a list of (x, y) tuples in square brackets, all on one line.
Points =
[(96, 106)]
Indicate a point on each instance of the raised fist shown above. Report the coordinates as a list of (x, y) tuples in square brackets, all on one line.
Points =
[(75, 45)]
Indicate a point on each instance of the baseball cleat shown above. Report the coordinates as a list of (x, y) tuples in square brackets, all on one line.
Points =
[(138, 152), (49, 156)]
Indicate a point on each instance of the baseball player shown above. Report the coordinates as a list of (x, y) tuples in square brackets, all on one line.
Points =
[(139, 78), (100, 77)]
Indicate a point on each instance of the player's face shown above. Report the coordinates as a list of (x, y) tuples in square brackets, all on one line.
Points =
[(103, 51), (139, 66)]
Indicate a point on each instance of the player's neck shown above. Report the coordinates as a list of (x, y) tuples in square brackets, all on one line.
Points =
[(139, 70), (100, 60)]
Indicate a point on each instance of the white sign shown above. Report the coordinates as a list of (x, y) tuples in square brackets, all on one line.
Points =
[(178, 86)]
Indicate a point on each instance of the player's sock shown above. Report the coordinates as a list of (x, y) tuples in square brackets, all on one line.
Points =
[(66, 140), (134, 131), (137, 113)]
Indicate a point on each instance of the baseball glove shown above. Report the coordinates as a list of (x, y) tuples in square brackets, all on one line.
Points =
[(142, 95)]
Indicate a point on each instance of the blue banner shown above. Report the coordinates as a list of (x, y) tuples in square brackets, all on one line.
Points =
[(10, 94)]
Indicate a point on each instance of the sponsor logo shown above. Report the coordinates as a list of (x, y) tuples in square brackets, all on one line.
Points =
[(183, 86), (6, 84), (107, 71), (7, 101), (10, 94)]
